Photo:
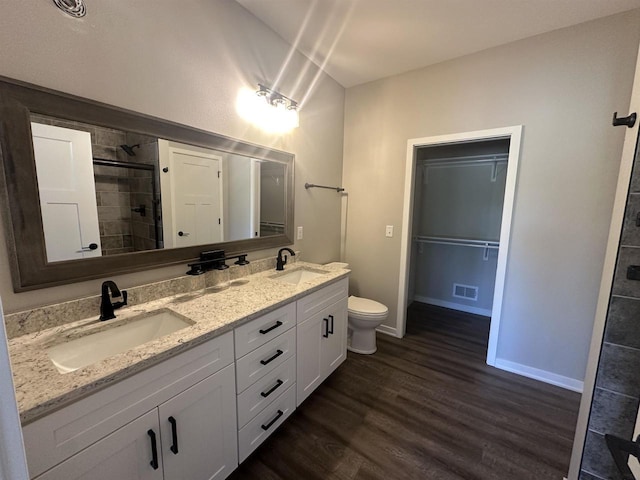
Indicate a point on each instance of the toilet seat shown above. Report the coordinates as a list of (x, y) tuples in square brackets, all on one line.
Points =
[(366, 309)]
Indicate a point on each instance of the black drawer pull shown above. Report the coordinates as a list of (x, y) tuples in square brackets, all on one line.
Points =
[(273, 327), (326, 328), (154, 449), (331, 330), (174, 435), (266, 427), (269, 360), (272, 389)]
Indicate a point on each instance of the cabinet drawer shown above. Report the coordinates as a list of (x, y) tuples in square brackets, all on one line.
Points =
[(265, 359), (317, 301), (259, 395), (258, 429), (63, 433), (259, 331)]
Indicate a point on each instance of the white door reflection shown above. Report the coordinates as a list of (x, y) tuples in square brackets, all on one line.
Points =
[(192, 201), (64, 167)]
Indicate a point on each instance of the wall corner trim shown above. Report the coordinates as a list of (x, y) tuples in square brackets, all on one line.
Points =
[(387, 330)]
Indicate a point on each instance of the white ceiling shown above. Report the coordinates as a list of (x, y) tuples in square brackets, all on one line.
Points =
[(357, 41)]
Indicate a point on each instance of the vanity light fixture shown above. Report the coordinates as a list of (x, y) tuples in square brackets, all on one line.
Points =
[(276, 99), (268, 109)]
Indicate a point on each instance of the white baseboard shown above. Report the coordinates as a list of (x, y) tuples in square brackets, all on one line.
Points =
[(486, 312), (387, 330), (541, 375)]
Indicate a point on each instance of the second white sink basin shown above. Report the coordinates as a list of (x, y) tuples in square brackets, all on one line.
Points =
[(93, 347), (300, 275)]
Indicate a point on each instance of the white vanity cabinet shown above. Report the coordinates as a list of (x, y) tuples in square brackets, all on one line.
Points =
[(265, 369), (113, 433), (189, 436), (196, 414), (322, 336)]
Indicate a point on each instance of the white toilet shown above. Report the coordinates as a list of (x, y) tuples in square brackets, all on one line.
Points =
[(365, 316)]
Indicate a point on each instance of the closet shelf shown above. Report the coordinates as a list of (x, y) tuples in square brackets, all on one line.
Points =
[(465, 160), (461, 242)]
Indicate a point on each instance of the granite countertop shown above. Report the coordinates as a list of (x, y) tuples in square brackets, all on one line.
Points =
[(41, 389)]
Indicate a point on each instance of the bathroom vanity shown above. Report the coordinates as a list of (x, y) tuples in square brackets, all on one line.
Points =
[(195, 402)]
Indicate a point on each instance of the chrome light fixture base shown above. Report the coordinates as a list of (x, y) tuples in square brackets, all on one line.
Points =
[(74, 8)]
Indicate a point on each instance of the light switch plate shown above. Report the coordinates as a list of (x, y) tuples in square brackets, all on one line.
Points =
[(299, 236), (389, 231)]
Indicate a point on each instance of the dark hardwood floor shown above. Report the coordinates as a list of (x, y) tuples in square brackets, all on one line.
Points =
[(424, 407)]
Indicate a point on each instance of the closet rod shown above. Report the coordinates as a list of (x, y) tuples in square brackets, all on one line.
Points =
[(311, 185), (459, 242), (117, 163), (470, 159)]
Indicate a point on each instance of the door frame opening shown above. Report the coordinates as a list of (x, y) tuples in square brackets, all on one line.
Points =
[(514, 135)]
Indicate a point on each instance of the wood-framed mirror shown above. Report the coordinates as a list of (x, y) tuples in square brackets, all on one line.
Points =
[(150, 201)]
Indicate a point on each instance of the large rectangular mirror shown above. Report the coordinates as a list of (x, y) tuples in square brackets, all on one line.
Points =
[(94, 190)]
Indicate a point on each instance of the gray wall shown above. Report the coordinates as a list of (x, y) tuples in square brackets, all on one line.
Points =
[(563, 87), (184, 61), (237, 197)]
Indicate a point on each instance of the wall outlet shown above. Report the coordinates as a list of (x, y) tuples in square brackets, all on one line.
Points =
[(299, 235), (389, 231)]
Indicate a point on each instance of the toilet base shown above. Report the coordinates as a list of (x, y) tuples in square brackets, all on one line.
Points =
[(362, 352), (362, 341)]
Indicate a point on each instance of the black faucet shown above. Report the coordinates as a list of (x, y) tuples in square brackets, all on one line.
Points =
[(282, 261), (106, 307), (215, 259)]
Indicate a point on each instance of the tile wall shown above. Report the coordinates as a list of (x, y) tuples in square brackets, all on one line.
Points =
[(617, 392)]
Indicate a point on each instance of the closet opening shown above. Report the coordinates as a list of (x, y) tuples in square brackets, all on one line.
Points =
[(457, 220), (457, 212)]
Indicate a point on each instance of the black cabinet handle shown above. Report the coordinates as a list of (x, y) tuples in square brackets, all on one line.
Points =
[(154, 449), (271, 359), (272, 389), (174, 435), (331, 331), (275, 419), (273, 327), (326, 328)]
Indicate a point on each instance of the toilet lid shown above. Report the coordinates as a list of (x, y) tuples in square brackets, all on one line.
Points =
[(366, 306)]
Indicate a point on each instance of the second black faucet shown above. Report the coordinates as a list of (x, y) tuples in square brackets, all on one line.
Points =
[(282, 261)]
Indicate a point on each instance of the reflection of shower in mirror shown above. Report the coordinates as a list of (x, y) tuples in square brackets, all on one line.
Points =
[(129, 149)]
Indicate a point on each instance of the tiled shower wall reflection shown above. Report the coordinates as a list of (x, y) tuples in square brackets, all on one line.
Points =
[(120, 192), (617, 392)]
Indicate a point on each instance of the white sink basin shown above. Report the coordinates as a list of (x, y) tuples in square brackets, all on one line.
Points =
[(298, 276), (93, 347)]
